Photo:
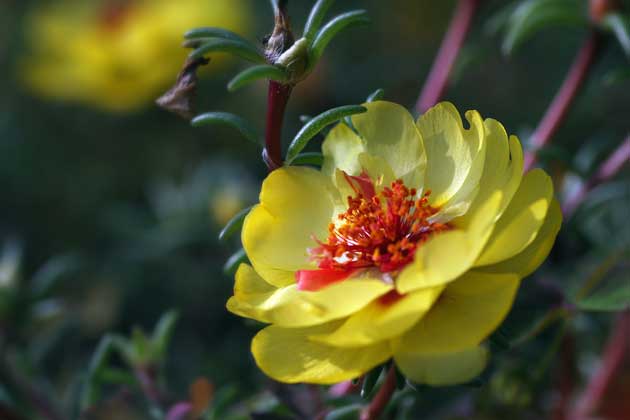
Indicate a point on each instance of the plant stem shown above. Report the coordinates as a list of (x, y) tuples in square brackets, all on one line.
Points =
[(378, 404), (38, 399), (277, 99), (563, 100), (615, 351), (449, 49), (607, 170)]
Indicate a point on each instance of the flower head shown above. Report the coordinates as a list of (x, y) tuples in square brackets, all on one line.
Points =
[(410, 244), (117, 55)]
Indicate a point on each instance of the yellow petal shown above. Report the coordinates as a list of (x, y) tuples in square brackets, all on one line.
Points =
[(389, 132), (522, 219), (287, 355), (455, 156), (468, 310), (442, 368), (528, 260), (503, 167), (448, 255), (341, 150), (296, 205), (290, 307), (380, 321)]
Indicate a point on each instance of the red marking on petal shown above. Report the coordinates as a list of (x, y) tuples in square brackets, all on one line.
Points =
[(390, 298), (313, 280), (361, 184)]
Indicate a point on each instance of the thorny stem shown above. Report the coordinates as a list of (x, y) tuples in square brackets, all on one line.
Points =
[(378, 404), (277, 99), (607, 170), (449, 49), (561, 103), (616, 349)]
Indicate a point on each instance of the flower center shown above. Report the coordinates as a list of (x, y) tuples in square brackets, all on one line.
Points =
[(378, 230)]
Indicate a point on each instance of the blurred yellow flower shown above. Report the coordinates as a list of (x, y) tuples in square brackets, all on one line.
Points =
[(409, 243), (115, 54)]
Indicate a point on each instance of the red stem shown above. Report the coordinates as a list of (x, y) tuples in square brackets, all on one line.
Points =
[(449, 49), (378, 404), (617, 348), (607, 170), (277, 98), (561, 103)]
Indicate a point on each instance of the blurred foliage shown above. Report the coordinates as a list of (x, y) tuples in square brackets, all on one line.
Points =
[(110, 219)]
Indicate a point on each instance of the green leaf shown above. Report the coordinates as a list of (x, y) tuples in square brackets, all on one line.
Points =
[(620, 26), (316, 17), (263, 71), (607, 288), (234, 225), (91, 392), (377, 95), (369, 382), (239, 48), (234, 261), (163, 333), (316, 125), (310, 158), (618, 75), (141, 346), (332, 29), (349, 412), (225, 118), (45, 279), (534, 15), (211, 32)]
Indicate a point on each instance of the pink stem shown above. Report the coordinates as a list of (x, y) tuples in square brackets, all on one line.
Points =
[(617, 348), (451, 45), (559, 108), (277, 99), (606, 171), (378, 404)]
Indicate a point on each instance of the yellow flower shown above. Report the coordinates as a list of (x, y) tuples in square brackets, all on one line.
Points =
[(116, 55), (410, 244)]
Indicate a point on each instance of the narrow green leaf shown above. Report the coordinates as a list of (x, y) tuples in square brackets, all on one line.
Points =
[(117, 376), (141, 346), (618, 75), (369, 381), (263, 71), (234, 261), (401, 381), (225, 118), (234, 225), (91, 391), (316, 125), (534, 15), (54, 270), (162, 333), (316, 17), (239, 48), (332, 29), (211, 32), (620, 26), (377, 95), (310, 158), (350, 412)]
